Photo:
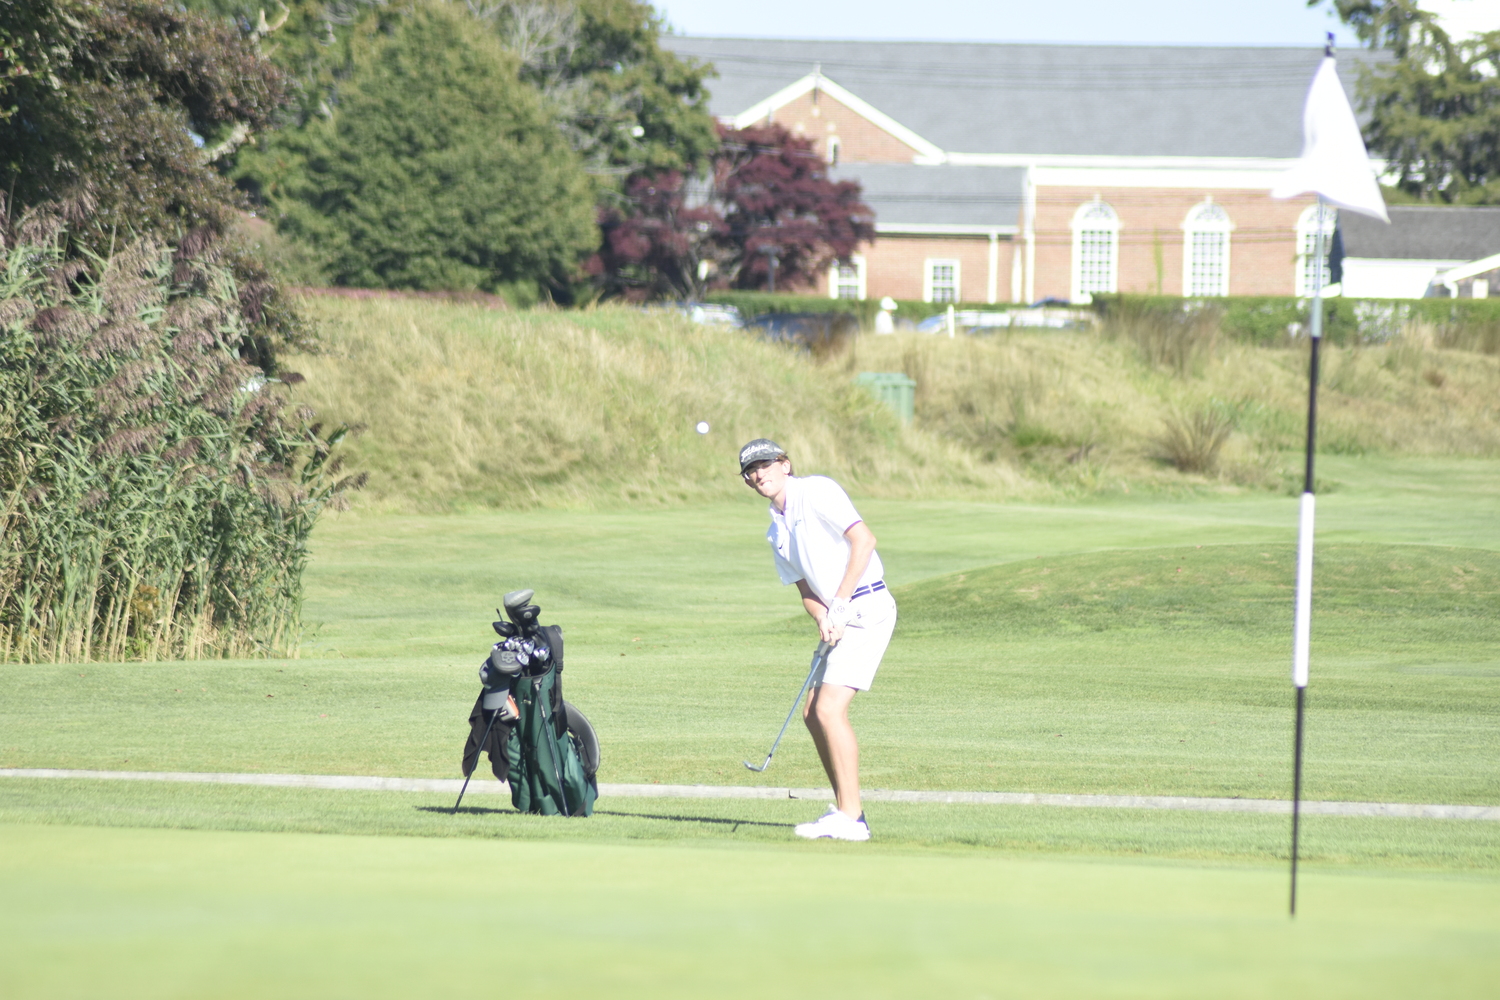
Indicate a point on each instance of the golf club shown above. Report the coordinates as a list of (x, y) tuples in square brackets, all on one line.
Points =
[(819, 656)]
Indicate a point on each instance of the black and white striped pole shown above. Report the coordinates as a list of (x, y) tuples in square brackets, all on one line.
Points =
[(1302, 614), (1336, 167)]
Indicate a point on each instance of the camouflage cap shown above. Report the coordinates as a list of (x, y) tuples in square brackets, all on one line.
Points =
[(760, 450)]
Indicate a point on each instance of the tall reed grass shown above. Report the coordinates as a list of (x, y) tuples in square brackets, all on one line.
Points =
[(155, 493)]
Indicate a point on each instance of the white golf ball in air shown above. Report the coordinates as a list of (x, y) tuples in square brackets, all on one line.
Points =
[(703, 427)]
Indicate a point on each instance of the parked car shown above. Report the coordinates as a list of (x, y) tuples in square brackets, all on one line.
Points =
[(979, 321), (704, 313), (818, 332), (714, 314)]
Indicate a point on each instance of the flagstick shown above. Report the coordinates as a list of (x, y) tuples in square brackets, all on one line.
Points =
[(1302, 627)]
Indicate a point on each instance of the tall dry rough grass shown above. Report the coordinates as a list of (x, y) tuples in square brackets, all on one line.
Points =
[(471, 407), (1181, 338), (1088, 412), (155, 494), (1192, 439)]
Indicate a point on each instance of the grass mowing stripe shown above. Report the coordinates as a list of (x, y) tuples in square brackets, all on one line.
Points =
[(1340, 841), (330, 782), (170, 914), (1103, 673)]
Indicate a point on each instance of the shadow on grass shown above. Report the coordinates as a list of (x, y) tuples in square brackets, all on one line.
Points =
[(467, 811), (715, 820), (711, 820)]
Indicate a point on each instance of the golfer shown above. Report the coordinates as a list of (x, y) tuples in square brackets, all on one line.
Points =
[(821, 544)]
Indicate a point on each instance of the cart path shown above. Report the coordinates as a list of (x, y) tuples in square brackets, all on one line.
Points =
[(451, 786)]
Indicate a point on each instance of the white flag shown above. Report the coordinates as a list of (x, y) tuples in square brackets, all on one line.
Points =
[(1334, 162)]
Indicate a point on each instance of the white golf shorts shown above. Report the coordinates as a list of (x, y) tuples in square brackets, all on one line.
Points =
[(853, 662)]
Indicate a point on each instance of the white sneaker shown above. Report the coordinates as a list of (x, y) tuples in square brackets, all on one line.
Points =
[(834, 825)]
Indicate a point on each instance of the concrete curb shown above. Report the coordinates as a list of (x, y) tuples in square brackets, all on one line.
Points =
[(1405, 810)]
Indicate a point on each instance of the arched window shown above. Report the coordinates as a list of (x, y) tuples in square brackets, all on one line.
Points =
[(1313, 219), (1096, 250), (1205, 250)]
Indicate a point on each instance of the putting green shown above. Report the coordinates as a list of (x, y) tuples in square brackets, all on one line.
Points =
[(166, 914)]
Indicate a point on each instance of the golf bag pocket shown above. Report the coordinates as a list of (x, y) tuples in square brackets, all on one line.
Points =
[(500, 701)]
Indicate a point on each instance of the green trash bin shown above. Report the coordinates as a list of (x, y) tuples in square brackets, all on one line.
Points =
[(894, 389)]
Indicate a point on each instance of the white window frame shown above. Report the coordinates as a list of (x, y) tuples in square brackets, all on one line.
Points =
[(835, 147), (1210, 221), (1095, 224), (1307, 236), (858, 261), (929, 286)]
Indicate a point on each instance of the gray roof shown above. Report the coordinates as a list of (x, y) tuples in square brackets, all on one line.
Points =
[(1101, 100), (1423, 232), (946, 195)]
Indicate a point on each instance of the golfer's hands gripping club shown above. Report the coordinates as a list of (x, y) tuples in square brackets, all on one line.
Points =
[(831, 626)]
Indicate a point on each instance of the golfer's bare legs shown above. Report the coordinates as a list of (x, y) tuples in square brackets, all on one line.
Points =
[(827, 717)]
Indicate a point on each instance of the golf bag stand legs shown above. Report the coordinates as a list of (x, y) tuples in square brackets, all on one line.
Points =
[(482, 742)]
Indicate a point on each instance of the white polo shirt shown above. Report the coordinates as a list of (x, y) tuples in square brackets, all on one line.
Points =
[(807, 539)]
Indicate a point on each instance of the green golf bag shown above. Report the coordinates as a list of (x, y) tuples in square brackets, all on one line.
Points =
[(543, 747)]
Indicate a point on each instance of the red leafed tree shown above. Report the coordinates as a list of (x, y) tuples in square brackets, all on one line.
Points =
[(660, 248), (767, 194)]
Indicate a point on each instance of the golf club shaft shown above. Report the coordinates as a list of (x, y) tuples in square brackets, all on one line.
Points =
[(818, 656), (483, 740)]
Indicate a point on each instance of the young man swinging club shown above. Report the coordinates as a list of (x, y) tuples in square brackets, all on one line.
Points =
[(821, 544)]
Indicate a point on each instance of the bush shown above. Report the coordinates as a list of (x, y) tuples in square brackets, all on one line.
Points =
[(752, 304), (1169, 333), (155, 495), (1192, 439), (1280, 320)]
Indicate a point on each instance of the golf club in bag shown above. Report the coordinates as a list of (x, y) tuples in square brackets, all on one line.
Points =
[(543, 747), (819, 656)]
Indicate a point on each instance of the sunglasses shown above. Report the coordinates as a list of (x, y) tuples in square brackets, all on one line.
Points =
[(749, 472)]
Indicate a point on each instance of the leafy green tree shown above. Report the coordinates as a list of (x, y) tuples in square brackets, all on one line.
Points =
[(107, 97), (627, 105), (119, 109), (1435, 108), (437, 167)]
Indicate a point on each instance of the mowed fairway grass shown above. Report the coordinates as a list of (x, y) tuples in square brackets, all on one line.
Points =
[(1119, 646)]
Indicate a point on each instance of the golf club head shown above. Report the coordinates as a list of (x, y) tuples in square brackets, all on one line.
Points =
[(754, 768), (519, 609)]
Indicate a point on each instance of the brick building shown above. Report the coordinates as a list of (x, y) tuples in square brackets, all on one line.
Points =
[(1013, 173), (1427, 250)]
